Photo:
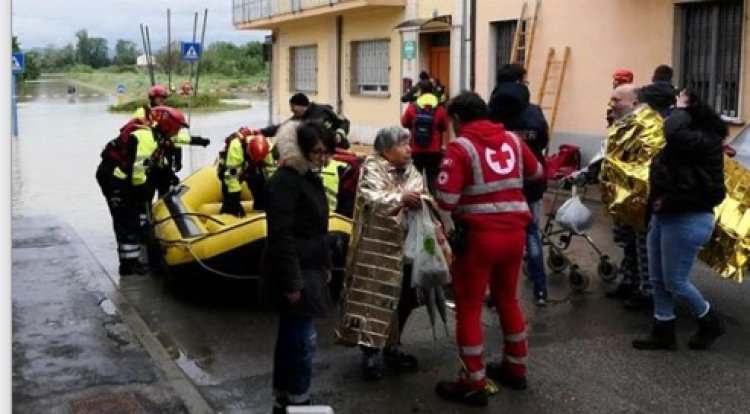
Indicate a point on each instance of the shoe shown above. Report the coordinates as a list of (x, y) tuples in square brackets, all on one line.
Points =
[(134, 268), (371, 366), (395, 356), (540, 298), (462, 392), (622, 291), (497, 373), (661, 337), (639, 300), (279, 405), (710, 327)]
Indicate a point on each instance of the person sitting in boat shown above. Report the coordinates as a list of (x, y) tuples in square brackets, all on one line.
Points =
[(123, 173), (336, 125), (340, 175), (246, 157), (164, 176)]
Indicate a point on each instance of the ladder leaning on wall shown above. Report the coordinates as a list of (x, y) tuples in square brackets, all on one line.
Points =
[(523, 38), (552, 81)]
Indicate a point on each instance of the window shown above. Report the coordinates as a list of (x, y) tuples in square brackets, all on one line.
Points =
[(504, 34), (711, 48), (303, 67), (370, 67)]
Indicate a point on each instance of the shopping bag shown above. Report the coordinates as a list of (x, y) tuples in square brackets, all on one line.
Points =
[(574, 215), (429, 267), (411, 243)]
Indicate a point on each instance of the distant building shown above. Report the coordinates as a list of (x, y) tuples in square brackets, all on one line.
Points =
[(141, 61)]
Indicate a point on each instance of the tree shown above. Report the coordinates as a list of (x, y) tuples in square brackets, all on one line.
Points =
[(91, 51), (126, 53)]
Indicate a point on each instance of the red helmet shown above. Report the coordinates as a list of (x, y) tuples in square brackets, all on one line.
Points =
[(169, 120), (158, 91), (257, 147)]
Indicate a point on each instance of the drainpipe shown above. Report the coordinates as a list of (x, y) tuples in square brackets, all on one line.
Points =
[(339, 31), (472, 35)]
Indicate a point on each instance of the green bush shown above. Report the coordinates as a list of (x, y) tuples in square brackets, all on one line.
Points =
[(82, 69)]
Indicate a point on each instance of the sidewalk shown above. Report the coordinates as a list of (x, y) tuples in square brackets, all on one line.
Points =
[(78, 347)]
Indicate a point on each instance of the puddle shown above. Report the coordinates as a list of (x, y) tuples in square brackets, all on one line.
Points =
[(108, 306)]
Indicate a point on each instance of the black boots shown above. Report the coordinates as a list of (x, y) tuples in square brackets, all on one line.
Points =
[(662, 337), (129, 267), (496, 372), (461, 392), (710, 327)]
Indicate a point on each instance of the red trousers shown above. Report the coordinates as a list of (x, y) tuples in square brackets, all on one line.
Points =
[(493, 258)]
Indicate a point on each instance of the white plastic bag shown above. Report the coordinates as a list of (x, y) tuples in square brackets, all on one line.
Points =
[(430, 268), (574, 215), (411, 244)]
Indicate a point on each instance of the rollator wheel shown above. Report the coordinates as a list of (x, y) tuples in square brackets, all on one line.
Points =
[(556, 262), (578, 281), (607, 271)]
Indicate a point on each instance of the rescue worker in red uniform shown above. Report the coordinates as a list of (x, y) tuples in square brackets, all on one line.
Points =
[(123, 175), (481, 182)]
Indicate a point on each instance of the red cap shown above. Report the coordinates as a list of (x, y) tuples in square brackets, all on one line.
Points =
[(623, 76)]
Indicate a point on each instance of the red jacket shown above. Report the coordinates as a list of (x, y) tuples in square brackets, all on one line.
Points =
[(439, 122), (481, 177)]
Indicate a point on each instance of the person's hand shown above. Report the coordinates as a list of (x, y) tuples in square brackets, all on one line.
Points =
[(203, 142), (411, 199), (177, 166), (329, 276), (682, 99), (292, 297)]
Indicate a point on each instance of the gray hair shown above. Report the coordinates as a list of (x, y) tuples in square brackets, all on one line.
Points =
[(387, 138)]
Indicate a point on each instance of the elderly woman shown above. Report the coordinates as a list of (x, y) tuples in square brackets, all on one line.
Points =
[(296, 260), (379, 296)]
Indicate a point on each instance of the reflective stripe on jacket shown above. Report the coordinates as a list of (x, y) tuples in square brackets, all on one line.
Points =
[(146, 146)]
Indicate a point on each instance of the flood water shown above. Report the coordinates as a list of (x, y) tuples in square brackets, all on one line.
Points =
[(57, 151)]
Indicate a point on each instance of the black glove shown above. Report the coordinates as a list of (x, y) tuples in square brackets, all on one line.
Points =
[(203, 142), (231, 205), (174, 179)]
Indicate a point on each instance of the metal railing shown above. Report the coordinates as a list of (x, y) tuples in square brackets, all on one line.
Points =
[(245, 11)]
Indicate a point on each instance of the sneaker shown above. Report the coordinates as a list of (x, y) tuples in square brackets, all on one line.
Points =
[(540, 298), (395, 356), (497, 373), (462, 392), (622, 291), (371, 367)]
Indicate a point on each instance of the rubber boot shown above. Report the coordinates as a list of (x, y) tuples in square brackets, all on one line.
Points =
[(710, 327), (661, 337), (130, 267)]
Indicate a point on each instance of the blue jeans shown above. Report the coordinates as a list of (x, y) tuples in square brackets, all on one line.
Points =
[(673, 244), (534, 252), (293, 357)]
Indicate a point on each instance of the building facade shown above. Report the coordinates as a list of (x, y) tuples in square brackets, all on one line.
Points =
[(705, 41), (357, 55)]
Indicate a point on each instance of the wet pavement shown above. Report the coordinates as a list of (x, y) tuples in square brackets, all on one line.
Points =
[(133, 337)]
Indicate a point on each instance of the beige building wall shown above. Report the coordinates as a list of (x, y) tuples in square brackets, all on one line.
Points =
[(604, 35)]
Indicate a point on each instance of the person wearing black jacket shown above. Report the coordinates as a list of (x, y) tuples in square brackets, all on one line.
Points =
[(335, 125), (296, 261), (686, 182), (509, 105)]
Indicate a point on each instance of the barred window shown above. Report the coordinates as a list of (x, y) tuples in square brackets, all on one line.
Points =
[(711, 49), (504, 33), (303, 67), (370, 67)]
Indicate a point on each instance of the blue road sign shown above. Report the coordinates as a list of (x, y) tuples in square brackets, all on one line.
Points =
[(18, 62), (120, 88), (191, 52)]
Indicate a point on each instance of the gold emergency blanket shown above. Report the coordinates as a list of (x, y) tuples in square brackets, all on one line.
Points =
[(728, 250), (632, 143), (375, 256)]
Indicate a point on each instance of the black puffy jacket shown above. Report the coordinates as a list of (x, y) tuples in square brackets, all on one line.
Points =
[(688, 173), (509, 105)]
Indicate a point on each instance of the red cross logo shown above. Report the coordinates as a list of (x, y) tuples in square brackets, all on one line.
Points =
[(501, 162)]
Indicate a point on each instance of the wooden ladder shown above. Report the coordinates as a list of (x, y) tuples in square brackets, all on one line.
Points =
[(549, 93), (523, 38)]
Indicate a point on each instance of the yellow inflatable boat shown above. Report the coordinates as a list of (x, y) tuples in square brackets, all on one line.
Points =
[(192, 238)]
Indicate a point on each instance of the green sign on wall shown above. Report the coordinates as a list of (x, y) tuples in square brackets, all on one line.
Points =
[(410, 49)]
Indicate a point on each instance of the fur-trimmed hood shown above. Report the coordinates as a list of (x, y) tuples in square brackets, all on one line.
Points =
[(290, 153)]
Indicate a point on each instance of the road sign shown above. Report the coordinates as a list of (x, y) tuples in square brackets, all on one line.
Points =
[(191, 52), (410, 49), (18, 62), (120, 88)]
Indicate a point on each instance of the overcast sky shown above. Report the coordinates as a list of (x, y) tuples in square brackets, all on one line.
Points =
[(38, 23)]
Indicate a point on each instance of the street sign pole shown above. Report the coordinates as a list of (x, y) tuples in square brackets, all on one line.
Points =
[(14, 109)]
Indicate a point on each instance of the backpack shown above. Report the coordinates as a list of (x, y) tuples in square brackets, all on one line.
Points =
[(423, 126), (118, 152)]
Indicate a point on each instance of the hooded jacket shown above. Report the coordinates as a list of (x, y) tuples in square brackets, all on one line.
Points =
[(297, 254), (509, 105)]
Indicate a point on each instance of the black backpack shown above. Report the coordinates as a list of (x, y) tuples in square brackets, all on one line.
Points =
[(423, 126)]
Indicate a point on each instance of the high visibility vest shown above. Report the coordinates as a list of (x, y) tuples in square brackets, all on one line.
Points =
[(330, 176), (233, 164), (144, 155)]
